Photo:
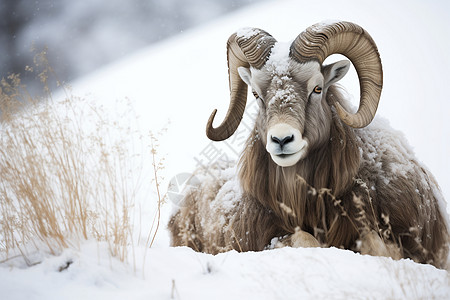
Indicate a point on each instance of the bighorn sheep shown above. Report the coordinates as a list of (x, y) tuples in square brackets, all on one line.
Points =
[(310, 175)]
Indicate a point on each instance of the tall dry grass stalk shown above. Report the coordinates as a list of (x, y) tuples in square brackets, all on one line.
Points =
[(158, 166), (68, 172)]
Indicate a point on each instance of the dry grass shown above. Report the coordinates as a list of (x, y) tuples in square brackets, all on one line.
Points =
[(68, 172), (360, 222)]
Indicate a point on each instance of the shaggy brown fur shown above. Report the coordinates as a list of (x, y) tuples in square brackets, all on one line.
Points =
[(348, 192)]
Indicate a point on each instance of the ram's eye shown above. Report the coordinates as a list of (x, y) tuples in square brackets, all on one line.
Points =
[(255, 94), (317, 89)]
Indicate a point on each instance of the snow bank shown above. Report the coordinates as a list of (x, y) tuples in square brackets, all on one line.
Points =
[(181, 273)]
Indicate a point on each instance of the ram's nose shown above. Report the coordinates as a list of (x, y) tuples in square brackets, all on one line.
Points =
[(282, 141), (285, 144), (282, 138)]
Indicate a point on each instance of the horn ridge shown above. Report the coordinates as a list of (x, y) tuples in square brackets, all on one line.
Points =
[(321, 40), (250, 48), (257, 49)]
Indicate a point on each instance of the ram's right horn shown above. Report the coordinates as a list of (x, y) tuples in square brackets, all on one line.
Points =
[(249, 47)]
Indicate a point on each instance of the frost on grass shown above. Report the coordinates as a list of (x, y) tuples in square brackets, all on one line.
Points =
[(70, 172)]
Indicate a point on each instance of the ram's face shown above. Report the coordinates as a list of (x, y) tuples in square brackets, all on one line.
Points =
[(294, 116), (291, 85)]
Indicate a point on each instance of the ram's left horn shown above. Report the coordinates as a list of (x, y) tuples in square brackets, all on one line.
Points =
[(319, 41)]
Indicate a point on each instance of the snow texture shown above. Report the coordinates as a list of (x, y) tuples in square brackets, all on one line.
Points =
[(181, 273), (380, 141), (247, 32), (278, 66), (278, 62)]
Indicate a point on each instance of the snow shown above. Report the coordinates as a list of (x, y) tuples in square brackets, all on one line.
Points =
[(246, 32), (181, 273), (319, 26), (278, 62), (278, 65), (167, 82), (324, 23)]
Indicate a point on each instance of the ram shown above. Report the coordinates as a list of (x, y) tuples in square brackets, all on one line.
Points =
[(312, 173)]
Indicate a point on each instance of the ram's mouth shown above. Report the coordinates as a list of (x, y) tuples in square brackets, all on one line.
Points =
[(287, 160), (284, 155)]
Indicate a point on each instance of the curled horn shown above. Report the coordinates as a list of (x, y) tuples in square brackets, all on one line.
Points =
[(251, 47), (321, 40)]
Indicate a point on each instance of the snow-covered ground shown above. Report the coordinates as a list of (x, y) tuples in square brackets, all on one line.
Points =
[(182, 80), (181, 273)]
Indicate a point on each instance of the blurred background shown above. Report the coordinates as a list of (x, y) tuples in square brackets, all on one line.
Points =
[(83, 35)]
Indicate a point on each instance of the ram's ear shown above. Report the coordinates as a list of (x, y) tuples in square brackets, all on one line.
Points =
[(246, 75), (332, 73)]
